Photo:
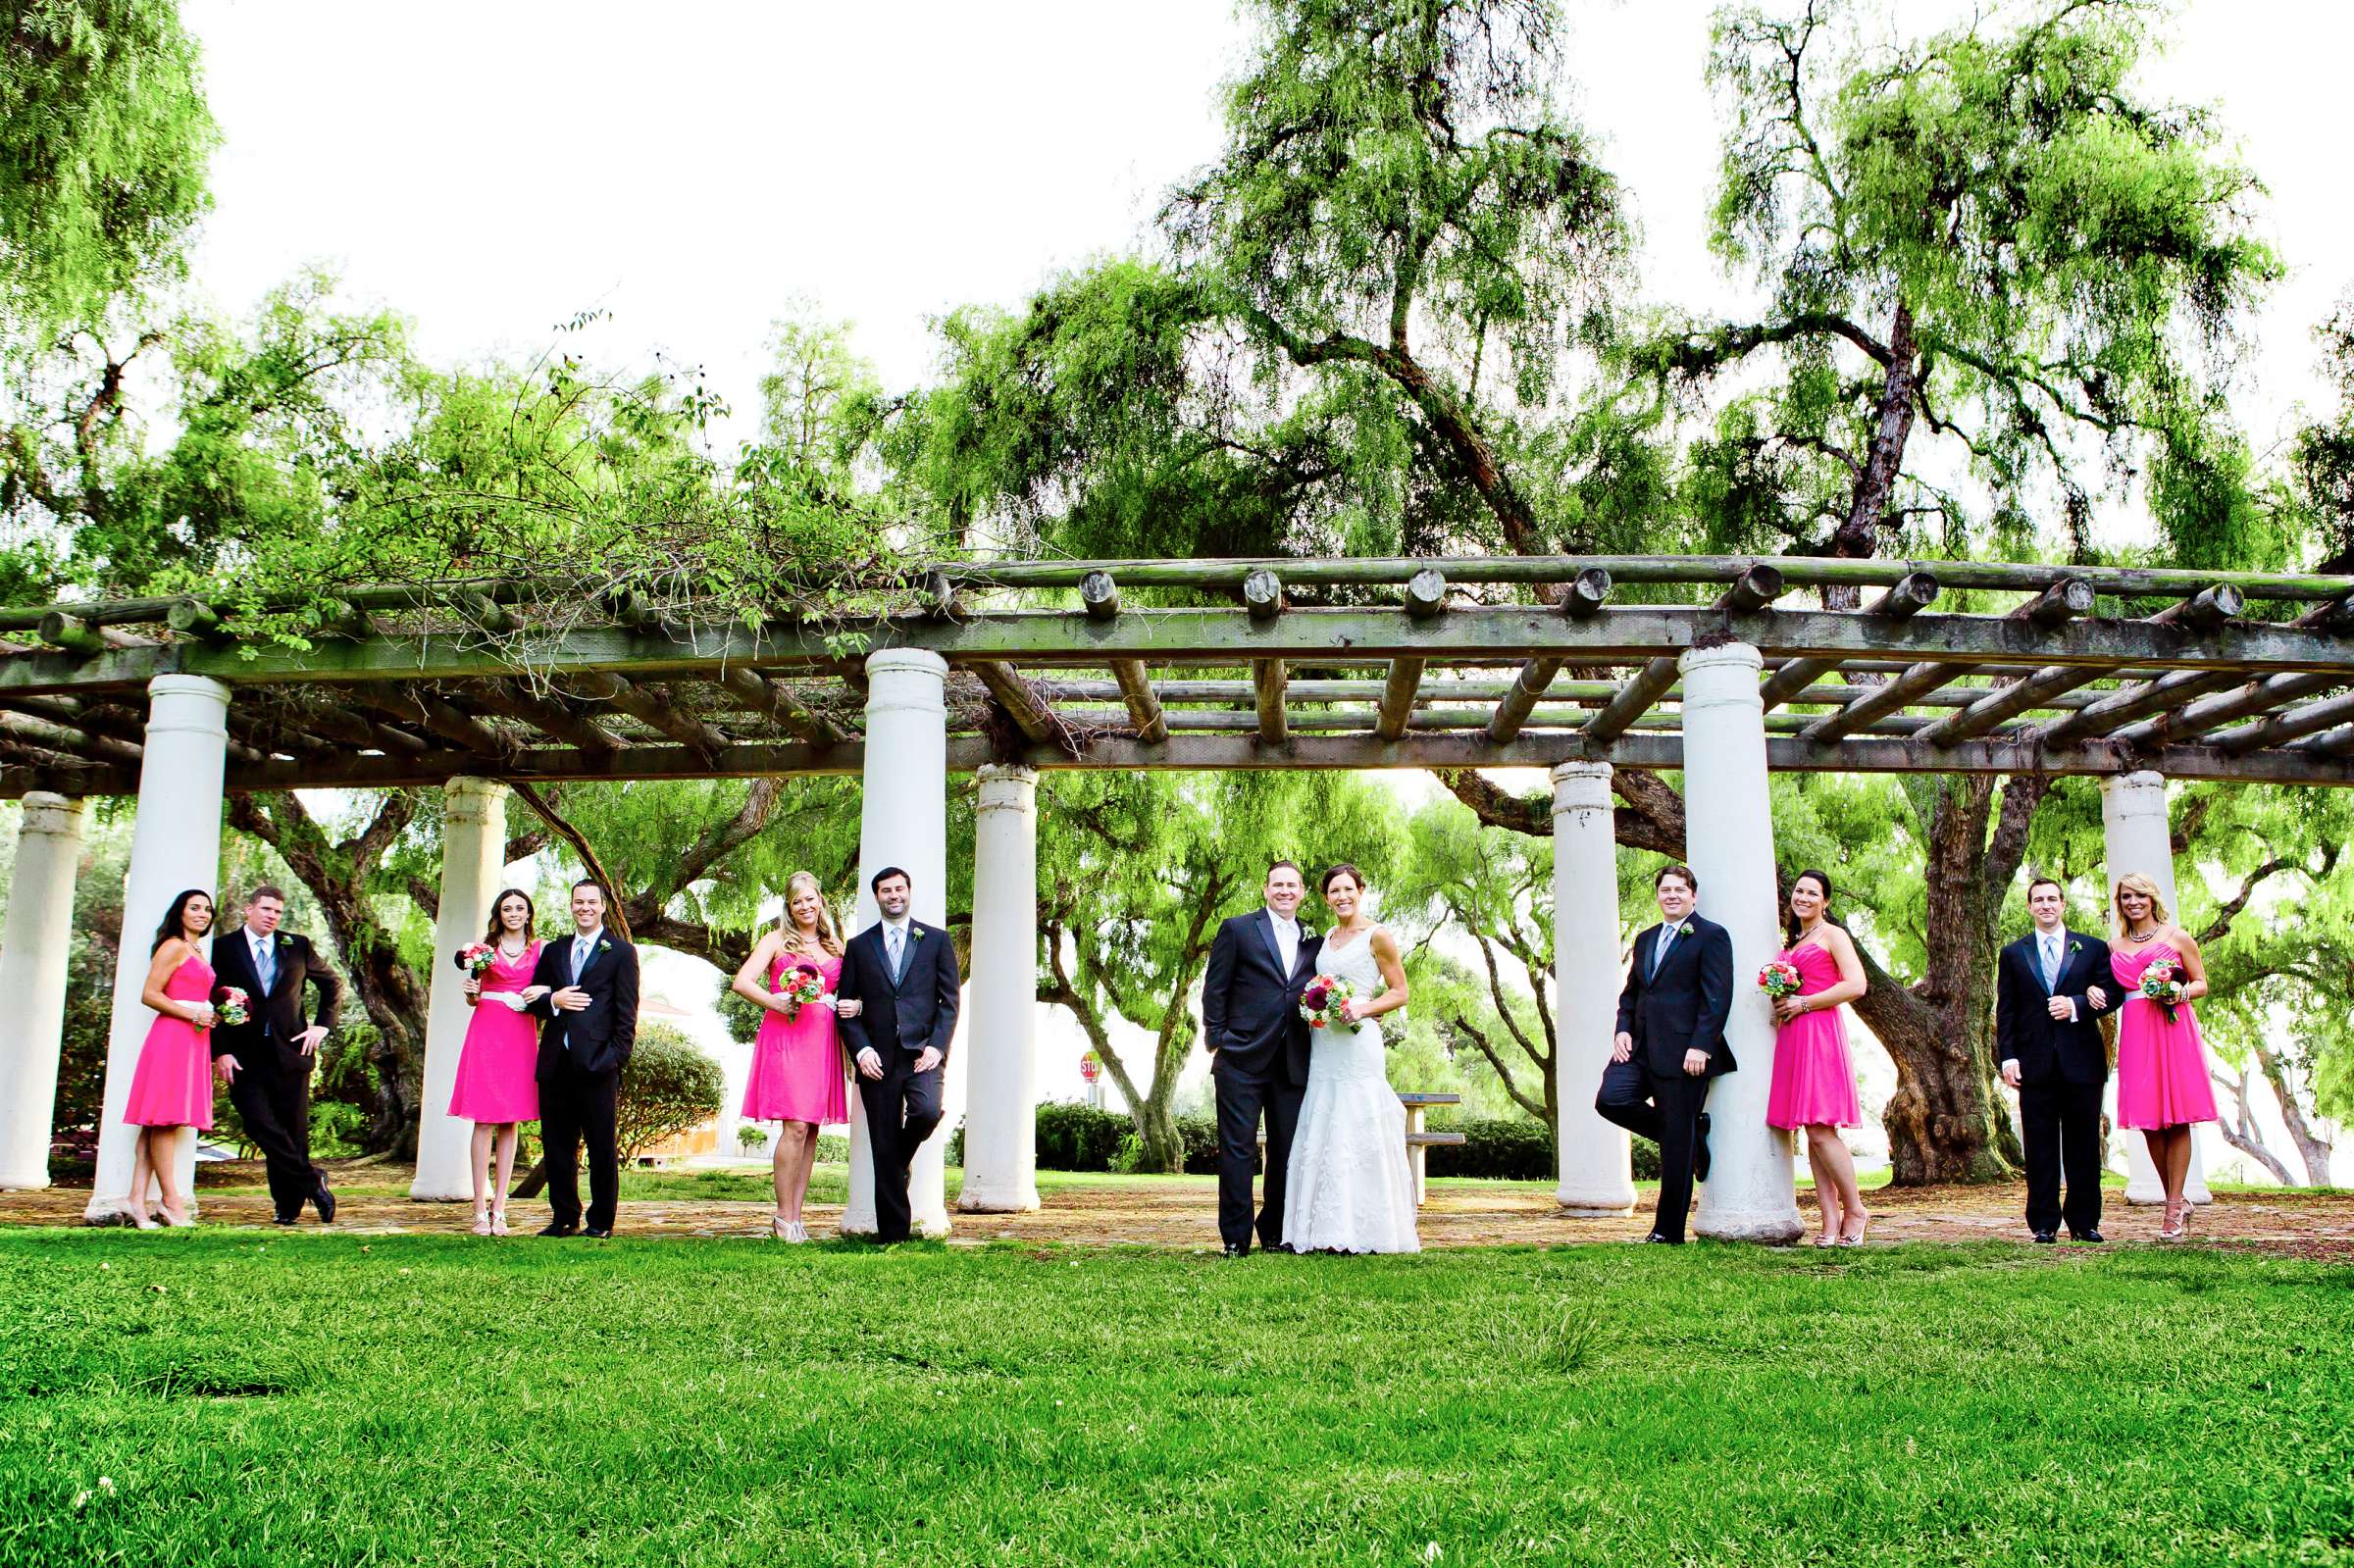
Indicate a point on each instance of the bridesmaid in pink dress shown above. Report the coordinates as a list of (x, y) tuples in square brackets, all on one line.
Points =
[(796, 1078), (1813, 1085), (2160, 1065), (172, 1087), (497, 1087)]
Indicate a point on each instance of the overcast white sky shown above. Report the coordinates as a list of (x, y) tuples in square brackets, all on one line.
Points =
[(493, 167)]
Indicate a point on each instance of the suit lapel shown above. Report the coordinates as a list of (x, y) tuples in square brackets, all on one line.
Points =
[(883, 954)]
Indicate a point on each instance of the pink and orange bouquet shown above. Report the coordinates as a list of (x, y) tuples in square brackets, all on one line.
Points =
[(1326, 1003), (800, 985), (476, 957), (2160, 985), (1779, 979), (234, 1007)]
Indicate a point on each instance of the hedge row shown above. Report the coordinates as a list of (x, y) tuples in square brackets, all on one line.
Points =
[(1076, 1138)]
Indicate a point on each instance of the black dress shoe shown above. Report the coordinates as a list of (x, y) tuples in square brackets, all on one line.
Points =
[(285, 1219), (558, 1228), (2087, 1238), (1237, 1252), (2046, 1238), (1656, 1238), (593, 1234), (1700, 1150), (326, 1201)]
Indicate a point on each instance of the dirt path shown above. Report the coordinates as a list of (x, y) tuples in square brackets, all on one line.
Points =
[(1182, 1213)]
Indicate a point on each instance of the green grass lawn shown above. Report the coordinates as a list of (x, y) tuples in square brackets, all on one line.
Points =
[(315, 1399)]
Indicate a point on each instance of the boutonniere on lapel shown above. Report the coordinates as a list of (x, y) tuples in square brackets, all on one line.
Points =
[(284, 940), (603, 945), (2074, 947), (1684, 930)]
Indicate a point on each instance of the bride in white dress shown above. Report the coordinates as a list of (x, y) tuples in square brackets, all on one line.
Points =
[(1349, 1187)]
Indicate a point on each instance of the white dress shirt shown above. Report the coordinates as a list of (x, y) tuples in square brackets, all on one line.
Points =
[(1287, 937), (2051, 954)]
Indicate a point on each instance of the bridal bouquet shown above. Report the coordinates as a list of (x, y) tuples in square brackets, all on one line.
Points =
[(2159, 985), (476, 957), (233, 1009), (1324, 1004), (800, 985), (1779, 979)]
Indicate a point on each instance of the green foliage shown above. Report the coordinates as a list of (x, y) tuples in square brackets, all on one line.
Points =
[(667, 1086), (1077, 1138), (104, 144), (2031, 255)]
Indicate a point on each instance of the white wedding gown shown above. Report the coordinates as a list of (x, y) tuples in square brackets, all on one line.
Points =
[(1349, 1187)]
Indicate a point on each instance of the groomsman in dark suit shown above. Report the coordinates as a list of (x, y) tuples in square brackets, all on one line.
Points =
[(1259, 965), (2048, 1001), (267, 1060), (903, 976), (1670, 1042), (589, 1027)]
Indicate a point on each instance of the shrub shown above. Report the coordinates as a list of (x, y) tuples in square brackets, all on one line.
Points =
[(1512, 1148), (667, 1088), (752, 1137), (1077, 1138)]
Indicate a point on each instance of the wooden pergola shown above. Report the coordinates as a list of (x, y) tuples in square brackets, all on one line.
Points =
[(1711, 665), (1316, 663)]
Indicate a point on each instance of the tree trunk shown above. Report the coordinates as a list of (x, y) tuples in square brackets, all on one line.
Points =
[(2239, 1129), (2312, 1150), (337, 876)]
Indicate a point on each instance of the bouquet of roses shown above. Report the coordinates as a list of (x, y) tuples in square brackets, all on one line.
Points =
[(1324, 1004), (800, 985), (2159, 985), (234, 1008), (1779, 979), (476, 957)]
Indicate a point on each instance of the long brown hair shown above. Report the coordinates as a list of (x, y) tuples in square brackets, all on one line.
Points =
[(531, 918), (829, 939)]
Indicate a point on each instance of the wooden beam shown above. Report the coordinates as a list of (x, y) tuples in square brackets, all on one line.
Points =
[(2206, 609), (193, 618), (1630, 702), (546, 713), (1143, 708), (77, 636), (2046, 613), (1593, 694), (443, 718), (1262, 595), (773, 703), (1645, 751), (2208, 712), (657, 713), (2151, 696), (2337, 742), (1568, 724), (1099, 596), (1028, 711), (1907, 597), (1398, 698), (1527, 687), (1586, 594), (72, 742), (1426, 593), (2291, 723), (1625, 635), (1268, 677)]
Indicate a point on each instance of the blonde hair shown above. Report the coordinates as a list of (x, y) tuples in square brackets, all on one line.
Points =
[(829, 939), (2148, 889)]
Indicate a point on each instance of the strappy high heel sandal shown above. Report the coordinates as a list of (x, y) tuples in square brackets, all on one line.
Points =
[(178, 1222), (498, 1222), (779, 1228), (143, 1220), (481, 1222), (2172, 1229), (1856, 1240)]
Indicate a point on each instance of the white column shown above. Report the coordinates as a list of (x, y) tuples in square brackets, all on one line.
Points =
[(174, 843), (1728, 837), (1597, 1174), (2138, 837), (32, 979), (1000, 1133), (903, 822), (473, 852)]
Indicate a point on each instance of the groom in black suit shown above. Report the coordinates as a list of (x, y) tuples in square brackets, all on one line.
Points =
[(1670, 1042), (1259, 965), (2047, 1031), (903, 976), (267, 1060), (588, 1028)]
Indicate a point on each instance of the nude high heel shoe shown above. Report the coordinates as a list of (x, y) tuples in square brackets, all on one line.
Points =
[(498, 1222), (143, 1219)]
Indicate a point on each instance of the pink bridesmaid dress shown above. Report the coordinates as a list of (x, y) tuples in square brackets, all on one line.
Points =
[(1814, 1083), (2161, 1067), (498, 1065), (797, 1067), (172, 1085)]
